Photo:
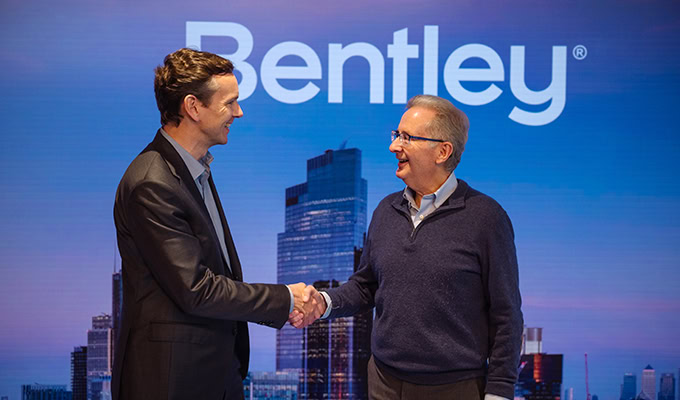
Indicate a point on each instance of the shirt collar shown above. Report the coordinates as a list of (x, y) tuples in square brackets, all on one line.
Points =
[(440, 195), (196, 167)]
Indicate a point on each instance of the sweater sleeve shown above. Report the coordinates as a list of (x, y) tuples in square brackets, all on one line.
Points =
[(358, 293), (503, 298)]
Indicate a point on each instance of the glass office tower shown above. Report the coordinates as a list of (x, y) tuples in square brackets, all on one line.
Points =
[(667, 387), (79, 373), (325, 223), (540, 377), (629, 387), (99, 357)]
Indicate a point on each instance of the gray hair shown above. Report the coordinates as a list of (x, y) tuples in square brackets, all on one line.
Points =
[(449, 124)]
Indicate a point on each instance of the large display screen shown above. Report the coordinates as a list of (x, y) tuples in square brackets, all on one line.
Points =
[(573, 130)]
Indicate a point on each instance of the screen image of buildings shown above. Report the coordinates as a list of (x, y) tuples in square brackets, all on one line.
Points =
[(271, 385), (99, 357), (37, 391), (667, 387), (540, 377), (79, 373), (325, 225), (629, 386), (540, 374)]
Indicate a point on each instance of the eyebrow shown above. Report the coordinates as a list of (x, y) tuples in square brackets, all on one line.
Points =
[(230, 99)]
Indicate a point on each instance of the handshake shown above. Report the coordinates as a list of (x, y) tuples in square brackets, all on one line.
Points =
[(309, 306)]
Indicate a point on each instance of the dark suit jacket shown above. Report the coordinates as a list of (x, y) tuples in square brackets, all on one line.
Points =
[(184, 312)]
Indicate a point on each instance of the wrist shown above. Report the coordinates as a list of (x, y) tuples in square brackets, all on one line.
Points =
[(292, 299), (327, 300)]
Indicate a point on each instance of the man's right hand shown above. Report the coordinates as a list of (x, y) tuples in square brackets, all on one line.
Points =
[(309, 305)]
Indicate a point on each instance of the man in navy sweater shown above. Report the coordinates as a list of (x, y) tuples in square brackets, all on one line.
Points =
[(440, 268)]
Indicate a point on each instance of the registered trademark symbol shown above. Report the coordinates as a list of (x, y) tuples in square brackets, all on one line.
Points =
[(579, 52)]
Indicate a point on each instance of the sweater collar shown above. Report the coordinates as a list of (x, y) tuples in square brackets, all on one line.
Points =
[(440, 195), (455, 200)]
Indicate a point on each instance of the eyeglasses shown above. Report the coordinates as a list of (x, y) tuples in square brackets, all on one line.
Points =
[(405, 138)]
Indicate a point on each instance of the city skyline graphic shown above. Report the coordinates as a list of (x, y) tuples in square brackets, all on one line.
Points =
[(325, 229), (325, 226), (593, 195)]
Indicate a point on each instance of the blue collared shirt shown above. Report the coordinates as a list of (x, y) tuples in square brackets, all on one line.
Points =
[(200, 172), (430, 202)]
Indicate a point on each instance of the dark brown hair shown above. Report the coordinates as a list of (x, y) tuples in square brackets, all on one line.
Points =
[(186, 72)]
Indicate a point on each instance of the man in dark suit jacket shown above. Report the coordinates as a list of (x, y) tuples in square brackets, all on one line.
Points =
[(183, 331)]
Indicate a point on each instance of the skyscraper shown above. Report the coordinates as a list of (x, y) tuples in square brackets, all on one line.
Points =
[(79, 373), (116, 301), (540, 377), (667, 387), (271, 385), (37, 391), (649, 382), (629, 387), (116, 308), (532, 340), (325, 222), (99, 356), (337, 354)]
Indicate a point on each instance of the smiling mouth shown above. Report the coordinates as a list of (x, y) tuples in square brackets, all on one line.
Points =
[(403, 161)]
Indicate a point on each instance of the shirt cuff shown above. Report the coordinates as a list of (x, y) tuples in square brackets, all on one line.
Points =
[(328, 305), (490, 396), (292, 300)]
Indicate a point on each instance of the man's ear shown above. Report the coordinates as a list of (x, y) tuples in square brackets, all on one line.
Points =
[(445, 151), (190, 106)]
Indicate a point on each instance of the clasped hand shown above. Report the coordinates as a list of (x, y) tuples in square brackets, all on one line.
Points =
[(310, 305)]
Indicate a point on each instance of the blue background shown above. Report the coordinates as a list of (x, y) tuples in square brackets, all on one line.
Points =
[(593, 195)]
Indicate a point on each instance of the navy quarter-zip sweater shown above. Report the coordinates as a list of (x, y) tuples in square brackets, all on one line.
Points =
[(446, 294)]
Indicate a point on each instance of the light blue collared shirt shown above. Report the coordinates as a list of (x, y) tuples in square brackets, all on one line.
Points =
[(430, 202), (200, 172)]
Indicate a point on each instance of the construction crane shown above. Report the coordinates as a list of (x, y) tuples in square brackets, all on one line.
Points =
[(587, 389)]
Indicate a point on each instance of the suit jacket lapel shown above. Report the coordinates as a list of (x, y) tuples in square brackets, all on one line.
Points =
[(229, 242), (169, 153)]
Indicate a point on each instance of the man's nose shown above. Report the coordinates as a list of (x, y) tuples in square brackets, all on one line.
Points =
[(395, 146), (239, 111)]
